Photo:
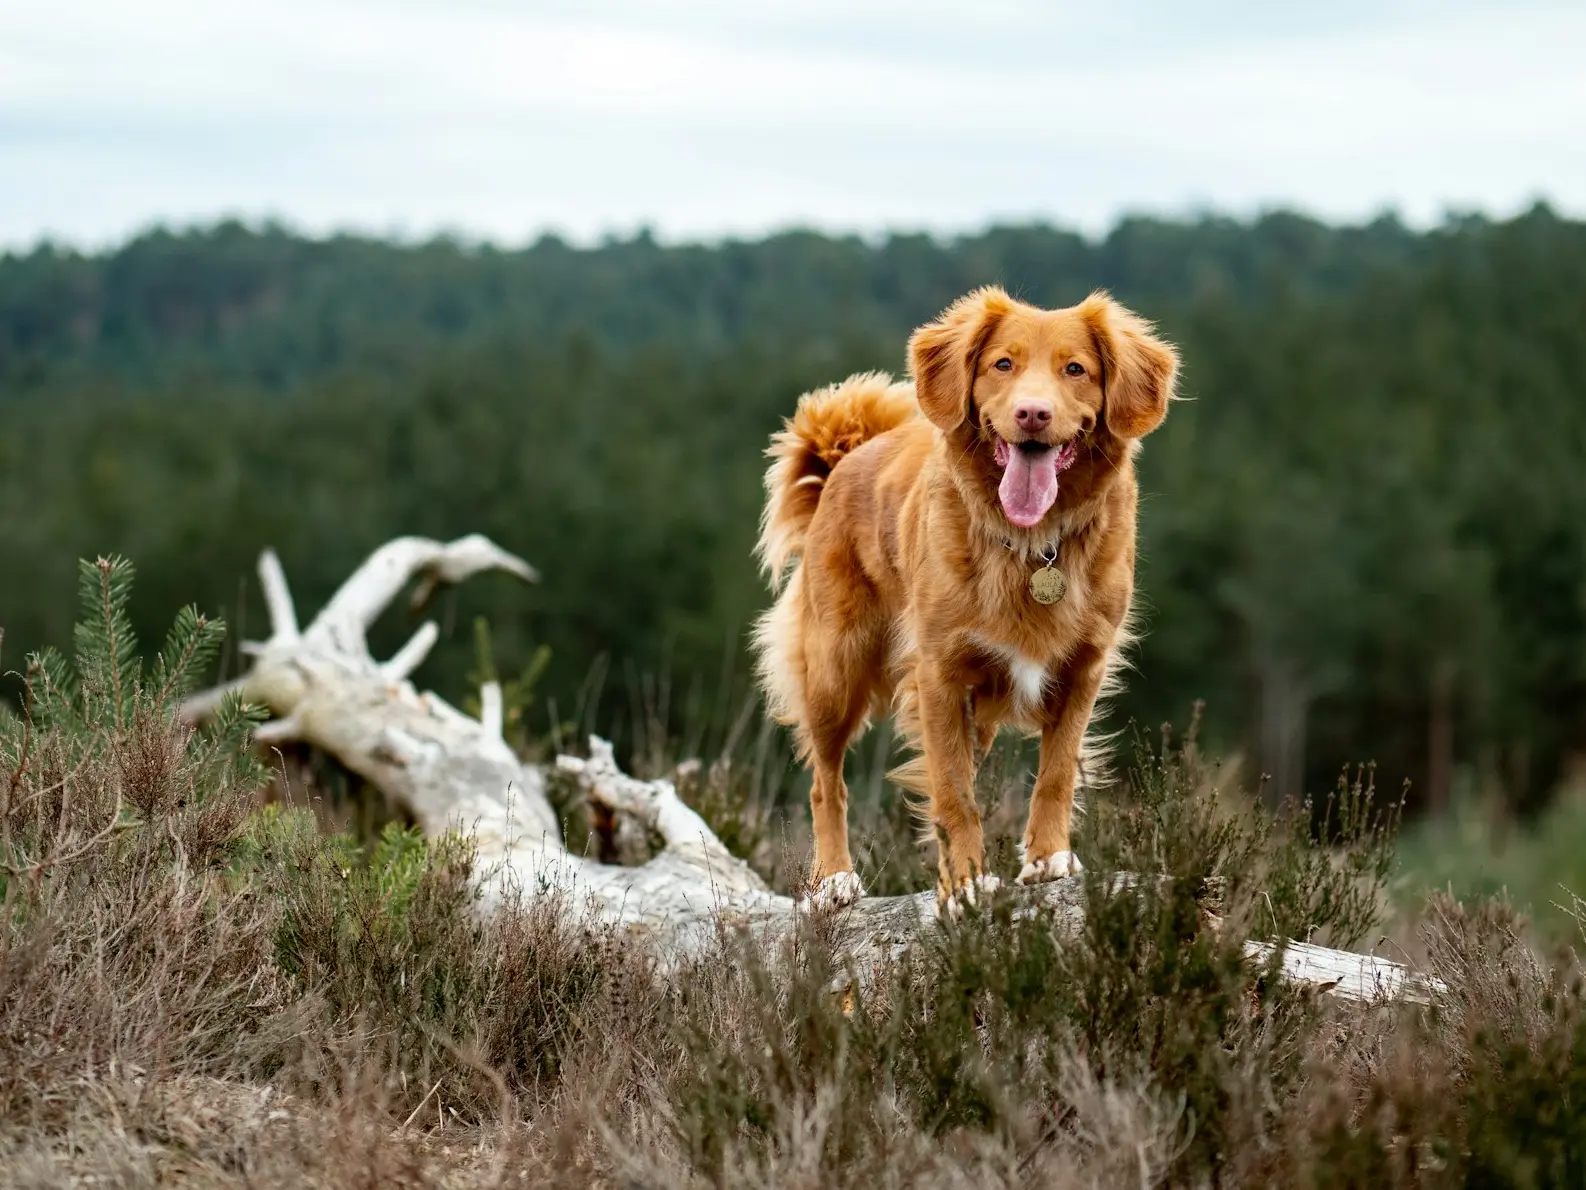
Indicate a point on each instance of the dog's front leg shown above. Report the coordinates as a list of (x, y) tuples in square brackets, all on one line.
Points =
[(947, 738), (1048, 853)]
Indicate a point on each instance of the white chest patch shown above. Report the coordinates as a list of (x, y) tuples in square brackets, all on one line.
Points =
[(1028, 677)]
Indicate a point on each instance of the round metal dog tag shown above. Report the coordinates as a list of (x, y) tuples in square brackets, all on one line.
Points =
[(1048, 585)]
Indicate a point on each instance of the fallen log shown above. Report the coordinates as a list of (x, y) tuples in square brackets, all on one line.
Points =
[(456, 773)]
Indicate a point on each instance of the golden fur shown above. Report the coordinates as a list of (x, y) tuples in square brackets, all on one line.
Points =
[(904, 582)]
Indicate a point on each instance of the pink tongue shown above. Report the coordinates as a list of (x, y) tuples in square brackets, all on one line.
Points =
[(1029, 486)]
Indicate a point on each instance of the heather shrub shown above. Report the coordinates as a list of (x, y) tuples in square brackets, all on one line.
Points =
[(196, 987), (1009, 1029)]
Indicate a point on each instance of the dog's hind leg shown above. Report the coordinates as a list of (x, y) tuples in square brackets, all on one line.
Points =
[(842, 668)]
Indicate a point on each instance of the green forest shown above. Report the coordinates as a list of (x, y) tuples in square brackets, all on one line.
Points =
[(1363, 531)]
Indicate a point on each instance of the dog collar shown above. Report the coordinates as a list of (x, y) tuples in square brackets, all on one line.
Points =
[(1046, 553)]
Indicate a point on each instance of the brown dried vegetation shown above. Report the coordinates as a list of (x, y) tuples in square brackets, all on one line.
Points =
[(194, 992)]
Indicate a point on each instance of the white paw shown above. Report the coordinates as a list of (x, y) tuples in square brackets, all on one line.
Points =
[(1053, 867), (837, 890), (970, 894)]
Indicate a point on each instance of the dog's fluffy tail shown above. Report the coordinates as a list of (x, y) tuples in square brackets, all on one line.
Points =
[(828, 424)]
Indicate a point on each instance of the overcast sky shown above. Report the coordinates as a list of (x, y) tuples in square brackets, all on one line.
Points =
[(501, 119)]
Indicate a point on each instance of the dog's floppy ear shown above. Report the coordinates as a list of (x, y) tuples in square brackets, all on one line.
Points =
[(1138, 369), (943, 355)]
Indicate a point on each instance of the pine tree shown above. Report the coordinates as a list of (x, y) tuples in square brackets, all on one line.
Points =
[(99, 749)]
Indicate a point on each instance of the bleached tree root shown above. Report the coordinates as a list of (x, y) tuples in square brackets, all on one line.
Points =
[(456, 773)]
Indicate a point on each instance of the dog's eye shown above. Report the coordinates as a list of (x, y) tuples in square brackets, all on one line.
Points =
[(1075, 368), (1003, 365)]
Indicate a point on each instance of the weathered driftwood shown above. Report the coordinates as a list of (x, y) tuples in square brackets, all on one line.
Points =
[(455, 772)]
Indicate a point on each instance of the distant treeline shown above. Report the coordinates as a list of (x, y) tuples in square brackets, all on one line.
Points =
[(1364, 535)]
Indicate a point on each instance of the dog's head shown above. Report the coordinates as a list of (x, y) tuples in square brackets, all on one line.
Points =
[(1037, 389)]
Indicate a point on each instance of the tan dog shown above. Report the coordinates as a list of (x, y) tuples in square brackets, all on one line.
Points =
[(968, 568)]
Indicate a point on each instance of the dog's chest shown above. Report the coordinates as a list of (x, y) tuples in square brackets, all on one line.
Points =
[(1027, 676)]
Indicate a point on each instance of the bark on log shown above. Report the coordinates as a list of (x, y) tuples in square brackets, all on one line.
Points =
[(454, 772)]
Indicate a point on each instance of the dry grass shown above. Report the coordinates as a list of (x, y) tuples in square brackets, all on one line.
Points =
[(197, 993)]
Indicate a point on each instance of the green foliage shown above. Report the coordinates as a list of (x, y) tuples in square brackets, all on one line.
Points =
[(517, 694), (107, 648), (99, 710), (1307, 874), (1479, 850), (190, 650), (102, 689), (188, 398), (1524, 1105), (1335, 890)]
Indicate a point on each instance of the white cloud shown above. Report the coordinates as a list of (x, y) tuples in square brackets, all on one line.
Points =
[(501, 119)]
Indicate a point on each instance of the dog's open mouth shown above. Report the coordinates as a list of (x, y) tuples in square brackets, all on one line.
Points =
[(1029, 477)]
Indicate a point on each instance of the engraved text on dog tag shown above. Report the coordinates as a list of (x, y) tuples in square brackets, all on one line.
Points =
[(1048, 584)]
